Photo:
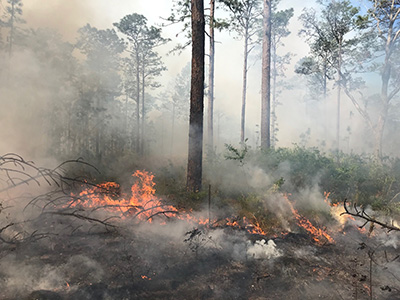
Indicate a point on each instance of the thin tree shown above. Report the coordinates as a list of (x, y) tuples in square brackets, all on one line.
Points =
[(102, 49), (151, 66), (341, 19), (178, 101), (279, 30), (245, 20), (210, 112), (195, 154), (385, 21), (144, 63), (266, 77), (13, 13), (326, 35), (14, 10)]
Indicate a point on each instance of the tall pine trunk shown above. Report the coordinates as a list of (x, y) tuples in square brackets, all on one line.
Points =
[(195, 154), (172, 128), (142, 132), (339, 90), (244, 88), (210, 113), (266, 78), (137, 138), (274, 74)]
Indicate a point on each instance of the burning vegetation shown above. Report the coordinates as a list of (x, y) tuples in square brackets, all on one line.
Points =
[(254, 221), (85, 240)]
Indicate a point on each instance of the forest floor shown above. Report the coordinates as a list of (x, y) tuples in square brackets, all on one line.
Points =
[(163, 262)]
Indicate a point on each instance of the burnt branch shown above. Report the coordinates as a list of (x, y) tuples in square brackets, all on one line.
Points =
[(165, 213), (19, 171), (359, 212), (76, 214)]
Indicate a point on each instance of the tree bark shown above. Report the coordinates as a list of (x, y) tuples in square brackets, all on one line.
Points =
[(142, 132), (244, 88), (380, 127), (137, 102), (172, 128), (339, 90), (195, 154), (210, 113), (266, 78), (126, 130), (274, 74)]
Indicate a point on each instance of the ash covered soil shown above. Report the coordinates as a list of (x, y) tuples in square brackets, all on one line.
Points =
[(176, 262)]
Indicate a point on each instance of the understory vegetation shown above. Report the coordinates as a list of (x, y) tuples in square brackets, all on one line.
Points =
[(241, 180)]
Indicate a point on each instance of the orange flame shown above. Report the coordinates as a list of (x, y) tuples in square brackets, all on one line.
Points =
[(320, 236), (142, 203), (367, 288), (145, 205)]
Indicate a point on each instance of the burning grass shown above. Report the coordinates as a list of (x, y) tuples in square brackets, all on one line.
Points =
[(142, 204), (102, 241)]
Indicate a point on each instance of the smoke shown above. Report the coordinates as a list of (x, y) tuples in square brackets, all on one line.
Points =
[(24, 276), (25, 97), (263, 250)]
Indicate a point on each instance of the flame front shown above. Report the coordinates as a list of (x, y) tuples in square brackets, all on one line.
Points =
[(319, 235), (142, 203)]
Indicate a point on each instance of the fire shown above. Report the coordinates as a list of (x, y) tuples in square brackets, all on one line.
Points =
[(143, 204), (319, 235), (337, 210), (143, 197), (243, 223), (367, 288), (144, 277)]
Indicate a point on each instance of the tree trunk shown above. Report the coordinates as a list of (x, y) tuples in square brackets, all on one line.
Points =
[(274, 101), (142, 132), (339, 84), (195, 154), (172, 128), (244, 88), (325, 79), (266, 78), (137, 102), (126, 130), (210, 128), (384, 108)]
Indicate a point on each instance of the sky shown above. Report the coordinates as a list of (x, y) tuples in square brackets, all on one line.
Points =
[(68, 16)]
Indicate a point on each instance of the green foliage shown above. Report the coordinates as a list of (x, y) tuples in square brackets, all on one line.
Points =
[(358, 178), (235, 153), (355, 177)]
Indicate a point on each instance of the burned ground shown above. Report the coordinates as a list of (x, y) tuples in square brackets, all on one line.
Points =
[(92, 241), (125, 264)]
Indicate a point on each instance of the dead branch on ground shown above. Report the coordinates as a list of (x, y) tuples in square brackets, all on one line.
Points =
[(359, 212)]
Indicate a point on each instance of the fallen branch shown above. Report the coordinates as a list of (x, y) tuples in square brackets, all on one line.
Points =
[(368, 219)]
